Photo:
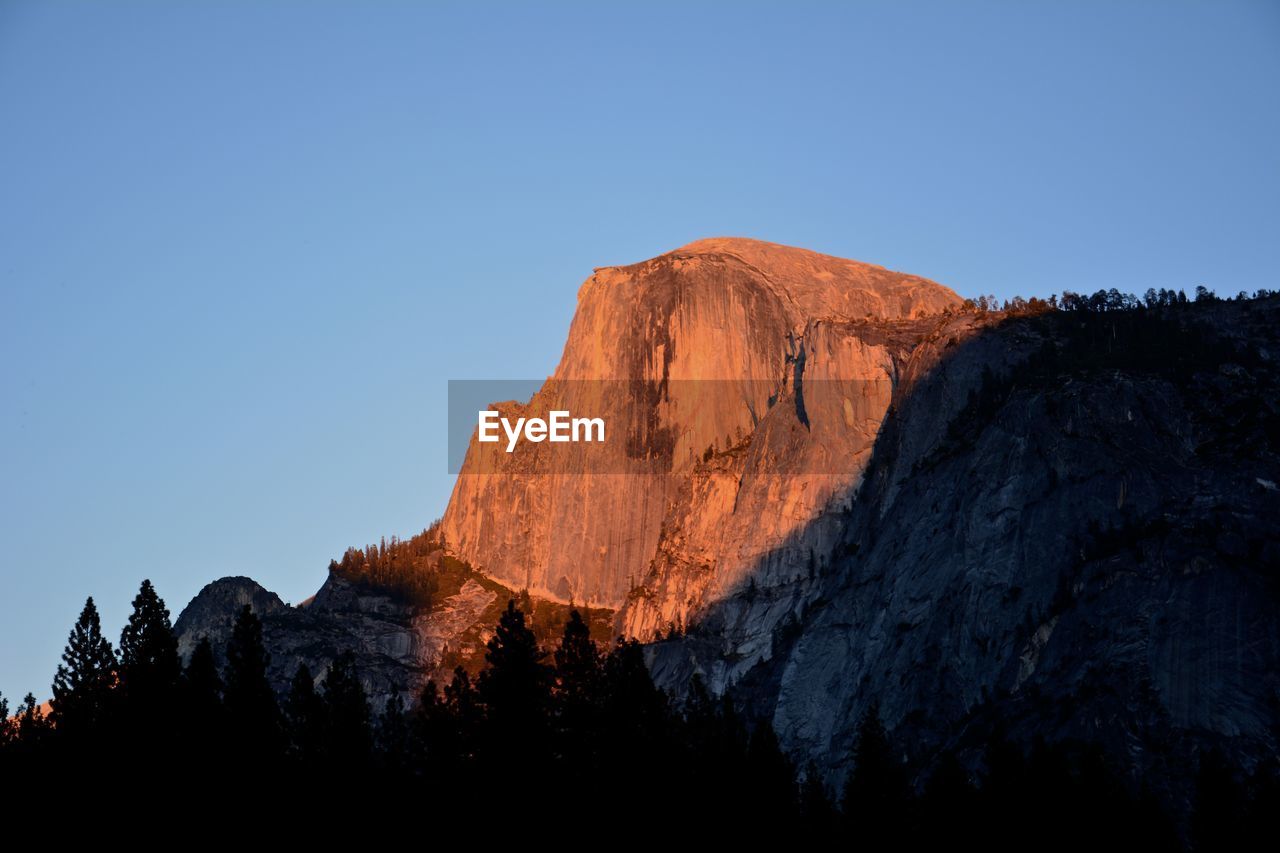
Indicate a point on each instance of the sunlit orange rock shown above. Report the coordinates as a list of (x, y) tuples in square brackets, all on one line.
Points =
[(760, 375)]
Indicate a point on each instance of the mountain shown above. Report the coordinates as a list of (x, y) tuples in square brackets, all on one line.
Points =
[(831, 488), (1034, 522), (688, 357)]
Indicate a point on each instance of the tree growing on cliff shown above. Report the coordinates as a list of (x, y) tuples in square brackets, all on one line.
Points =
[(83, 684)]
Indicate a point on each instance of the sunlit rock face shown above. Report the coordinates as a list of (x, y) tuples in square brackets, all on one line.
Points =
[(749, 381)]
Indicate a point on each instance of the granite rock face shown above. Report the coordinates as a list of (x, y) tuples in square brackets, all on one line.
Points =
[(397, 648), (702, 355), (1068, 530)]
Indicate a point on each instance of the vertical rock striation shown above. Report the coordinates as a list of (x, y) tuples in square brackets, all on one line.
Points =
[(725, 463)]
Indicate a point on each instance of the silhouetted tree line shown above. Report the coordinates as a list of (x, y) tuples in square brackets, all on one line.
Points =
[(1104, 300), (577, 736)]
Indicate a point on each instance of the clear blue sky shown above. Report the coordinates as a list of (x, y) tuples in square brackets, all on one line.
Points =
[(243, 246)]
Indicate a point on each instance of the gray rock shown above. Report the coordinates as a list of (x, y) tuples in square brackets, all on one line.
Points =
[(396, 647), (1093, 557)]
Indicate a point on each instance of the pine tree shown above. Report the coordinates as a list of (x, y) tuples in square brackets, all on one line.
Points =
[(578, 672), (305, 715), (448, 727), (8, 729), (202, 718), (201, 687), (350, 735), (393, 738), (33, 726), (577, 678), (149, 665), (250, 702), (877, 793), (515, 689), (83, 684), (577, 661), (633, 727)]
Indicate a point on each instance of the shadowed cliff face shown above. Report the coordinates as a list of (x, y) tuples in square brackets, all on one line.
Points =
[(398, 642), (1068, 530), (727, 456), (396, 647)]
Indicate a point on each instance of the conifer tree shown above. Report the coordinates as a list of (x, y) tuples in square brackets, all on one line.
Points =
[(393, 738), (250, 702), (577, 682), (149, 665), (577, 662), (578, 674), (633, 726), (515, 689), (7, 727), (347, 706), (877, 793), (84, 681), (201, 686), (447, 726), (305, 715), (33, 727), (202, 715)]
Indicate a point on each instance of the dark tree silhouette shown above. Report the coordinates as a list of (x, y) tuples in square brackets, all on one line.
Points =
[(347, 709), (393, 737), (578, 675), (567, 728), (253, 715), (306, 716), (200, 680), (8, 728), (149, 666), (202, 714), (877, 793), (84, 681), (34, 727), (515, 690)]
